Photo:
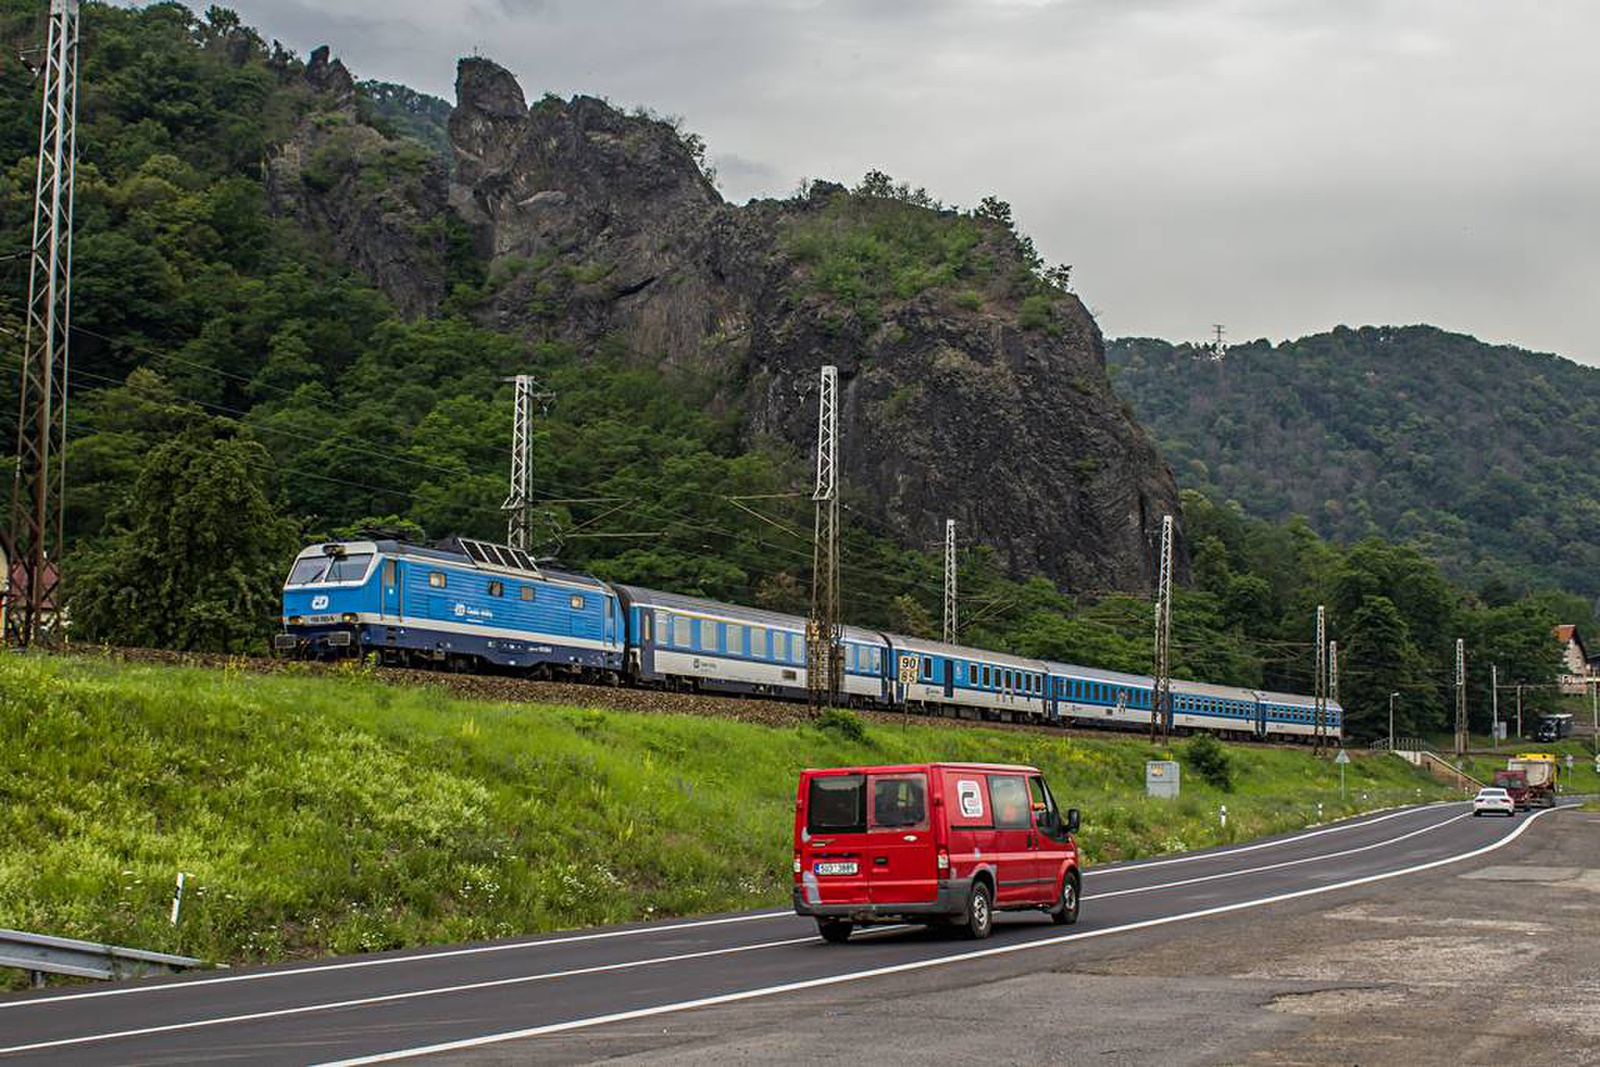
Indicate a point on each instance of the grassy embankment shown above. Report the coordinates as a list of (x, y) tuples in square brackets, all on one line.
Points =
[(339, 814)]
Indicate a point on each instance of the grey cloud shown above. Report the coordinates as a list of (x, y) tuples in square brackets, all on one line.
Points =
[(1278, 165)]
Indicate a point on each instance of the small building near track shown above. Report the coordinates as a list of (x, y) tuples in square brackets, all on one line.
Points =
[(1575, 669)]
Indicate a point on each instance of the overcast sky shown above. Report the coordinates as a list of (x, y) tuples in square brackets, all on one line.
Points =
[(1279, 166)]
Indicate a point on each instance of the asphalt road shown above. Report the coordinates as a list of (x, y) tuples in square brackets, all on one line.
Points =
[(481, 1001)]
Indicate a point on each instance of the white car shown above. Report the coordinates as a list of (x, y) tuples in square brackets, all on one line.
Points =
[(1494, 802)]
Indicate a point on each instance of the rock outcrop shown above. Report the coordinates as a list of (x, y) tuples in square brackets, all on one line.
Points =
[(376, 203), (971, 389)]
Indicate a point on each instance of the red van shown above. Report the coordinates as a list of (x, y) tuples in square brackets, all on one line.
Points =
[(935, 843)]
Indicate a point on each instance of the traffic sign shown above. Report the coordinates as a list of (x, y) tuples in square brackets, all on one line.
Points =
[(908, 670), (1341, 757)]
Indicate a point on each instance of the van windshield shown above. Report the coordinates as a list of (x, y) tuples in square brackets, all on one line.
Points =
[(837, 803)]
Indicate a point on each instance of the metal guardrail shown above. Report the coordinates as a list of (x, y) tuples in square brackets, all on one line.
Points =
[(41, 954)]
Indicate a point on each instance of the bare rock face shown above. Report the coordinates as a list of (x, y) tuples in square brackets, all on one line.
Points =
[(376, 203), (607, 231)]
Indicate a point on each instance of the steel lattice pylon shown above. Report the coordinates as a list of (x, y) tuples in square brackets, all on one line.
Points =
[(40, 480), (950, 623), (519, 501), (824, 653), (1161, 705), (1319, 713), (1461, 697)]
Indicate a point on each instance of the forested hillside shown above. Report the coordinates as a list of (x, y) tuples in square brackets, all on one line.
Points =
[(1485, 456), (294, 315)]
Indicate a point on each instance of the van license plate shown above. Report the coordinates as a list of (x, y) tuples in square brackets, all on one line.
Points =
[(836, 868)]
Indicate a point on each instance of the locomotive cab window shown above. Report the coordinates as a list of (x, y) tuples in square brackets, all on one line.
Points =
[(576, 603), (436, 579), (497, 588), (526, 592)]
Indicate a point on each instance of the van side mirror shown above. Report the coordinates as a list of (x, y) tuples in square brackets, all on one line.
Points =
[(1072, 820)]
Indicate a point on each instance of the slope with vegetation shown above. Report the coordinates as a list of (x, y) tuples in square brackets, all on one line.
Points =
[(320, 814), (1482, 455)]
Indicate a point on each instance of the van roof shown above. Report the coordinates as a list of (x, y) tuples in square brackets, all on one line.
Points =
[(906, 768)]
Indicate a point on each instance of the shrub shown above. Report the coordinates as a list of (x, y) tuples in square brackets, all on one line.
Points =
[(842, 723), (1036, 313), (1210, 761)]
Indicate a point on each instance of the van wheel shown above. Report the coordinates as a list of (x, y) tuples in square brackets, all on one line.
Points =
[(980, 912), (1065, 913), (836, 933)]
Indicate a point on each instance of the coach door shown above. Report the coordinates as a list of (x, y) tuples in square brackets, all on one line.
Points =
[(389, 600), (949, 678), (1261, 718)]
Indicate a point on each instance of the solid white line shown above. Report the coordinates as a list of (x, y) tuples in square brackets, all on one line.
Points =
[(418, 957), (385, 961), (276, 1013), (918, 965), (1144, 865), (1276, 866)]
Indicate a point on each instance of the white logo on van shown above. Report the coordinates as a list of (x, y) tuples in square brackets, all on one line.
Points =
[(971, 799), (318, 603)]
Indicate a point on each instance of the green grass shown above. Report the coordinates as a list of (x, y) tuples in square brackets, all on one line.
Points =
[(340, 814)]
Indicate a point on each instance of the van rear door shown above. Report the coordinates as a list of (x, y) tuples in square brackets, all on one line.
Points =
[(900, 845), (831, 833)]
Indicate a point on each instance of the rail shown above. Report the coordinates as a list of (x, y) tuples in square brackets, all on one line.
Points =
[(41, 954)]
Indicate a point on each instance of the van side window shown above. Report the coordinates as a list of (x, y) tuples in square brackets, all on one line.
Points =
[(1010, 799), (1042, 800), (837, 803), (899, 802)]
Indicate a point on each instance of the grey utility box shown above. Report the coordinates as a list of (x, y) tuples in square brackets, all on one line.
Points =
[(1161, 778)]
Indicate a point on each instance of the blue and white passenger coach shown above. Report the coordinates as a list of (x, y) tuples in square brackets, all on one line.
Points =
[(457, 606)]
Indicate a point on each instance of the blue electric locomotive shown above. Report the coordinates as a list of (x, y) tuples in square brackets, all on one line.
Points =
[(459, 606)]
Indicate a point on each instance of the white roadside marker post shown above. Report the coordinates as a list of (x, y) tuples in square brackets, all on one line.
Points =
[(177, 897)]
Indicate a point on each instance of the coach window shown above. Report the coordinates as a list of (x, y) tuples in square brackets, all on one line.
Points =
[(927, 667), (758, 642), (436, 579), (708, 636), (680, 631), (497, 588), (736, 639)]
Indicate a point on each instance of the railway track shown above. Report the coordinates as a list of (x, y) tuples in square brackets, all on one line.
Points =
[(767, 712)]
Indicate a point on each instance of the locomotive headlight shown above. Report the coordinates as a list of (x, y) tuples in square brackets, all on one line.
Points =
[(348, 616)]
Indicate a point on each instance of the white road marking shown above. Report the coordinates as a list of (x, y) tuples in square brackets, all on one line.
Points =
[(277, 1013), (916, 965), (385, 961), (523, 979), (1275, 866), (1144, 865)]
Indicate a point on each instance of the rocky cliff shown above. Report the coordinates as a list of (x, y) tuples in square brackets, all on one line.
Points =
[(972, 389)]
